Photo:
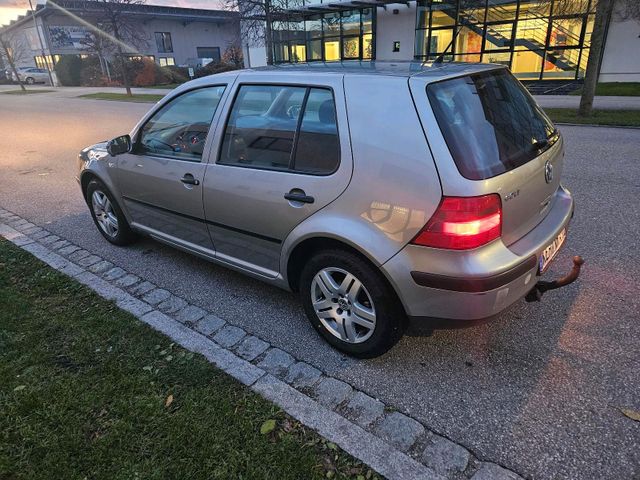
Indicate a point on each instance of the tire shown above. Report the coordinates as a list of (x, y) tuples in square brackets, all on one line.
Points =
[(120, 234), (345, 329), (30, 81)]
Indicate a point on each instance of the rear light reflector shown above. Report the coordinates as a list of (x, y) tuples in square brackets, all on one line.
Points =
[(462, 223)]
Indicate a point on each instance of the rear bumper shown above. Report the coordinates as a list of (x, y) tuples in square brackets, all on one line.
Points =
[(474, 284)]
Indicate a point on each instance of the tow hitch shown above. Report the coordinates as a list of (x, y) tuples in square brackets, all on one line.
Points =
[(542, 286)]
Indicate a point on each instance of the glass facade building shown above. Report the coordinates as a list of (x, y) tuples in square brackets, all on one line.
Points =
[(537, 39), (341, 35)]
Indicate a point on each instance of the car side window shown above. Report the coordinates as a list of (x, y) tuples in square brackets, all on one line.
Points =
[(282, 128), (262, 125), (179, 129), (318, 148)]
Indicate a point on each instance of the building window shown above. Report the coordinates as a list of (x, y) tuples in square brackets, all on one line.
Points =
[(48, 61), (163, 42), (536, 39), (166, 61), (346, 35), (209, 52)]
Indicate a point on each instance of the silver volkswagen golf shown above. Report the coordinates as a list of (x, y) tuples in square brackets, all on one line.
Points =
[(386, 195)]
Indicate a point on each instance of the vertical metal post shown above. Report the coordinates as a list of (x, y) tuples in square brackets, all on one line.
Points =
[(44, 57)]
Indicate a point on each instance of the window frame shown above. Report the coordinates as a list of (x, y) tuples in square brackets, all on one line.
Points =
[(291, 168), (164, 48), (138, 134)]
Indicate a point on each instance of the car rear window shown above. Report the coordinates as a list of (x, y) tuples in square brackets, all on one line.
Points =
[(490, 122)]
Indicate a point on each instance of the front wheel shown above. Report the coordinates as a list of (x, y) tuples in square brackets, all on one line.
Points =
[(107, 215), (30, 81), (350, 304)]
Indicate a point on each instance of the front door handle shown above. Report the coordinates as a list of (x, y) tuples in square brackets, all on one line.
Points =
[(189, 180), (297, 195)]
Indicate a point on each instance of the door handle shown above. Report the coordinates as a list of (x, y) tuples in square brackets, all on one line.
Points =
[(298, 196), (189, 180)]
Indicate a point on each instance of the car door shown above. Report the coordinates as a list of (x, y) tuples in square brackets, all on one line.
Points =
[(161, 179), (283, 155)]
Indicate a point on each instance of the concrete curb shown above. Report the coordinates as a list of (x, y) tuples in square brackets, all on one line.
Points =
[(390, 442)]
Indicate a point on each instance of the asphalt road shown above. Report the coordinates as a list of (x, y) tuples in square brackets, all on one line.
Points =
[(538, 390)]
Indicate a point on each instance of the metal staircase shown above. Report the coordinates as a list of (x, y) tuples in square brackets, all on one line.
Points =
[(563, 59)]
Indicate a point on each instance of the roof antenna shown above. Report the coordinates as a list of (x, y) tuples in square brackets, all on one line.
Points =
[(440, 58)]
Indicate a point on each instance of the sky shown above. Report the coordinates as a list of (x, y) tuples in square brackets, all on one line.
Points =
[(11, 9)]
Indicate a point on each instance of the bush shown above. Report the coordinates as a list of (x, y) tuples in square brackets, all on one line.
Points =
[(69, 70), (92, 74), (213, 68), (176, 74)]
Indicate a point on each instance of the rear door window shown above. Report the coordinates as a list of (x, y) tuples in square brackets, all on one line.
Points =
[(290, 128), (490, 122)]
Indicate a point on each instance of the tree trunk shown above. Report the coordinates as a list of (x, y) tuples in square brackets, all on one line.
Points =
[(125, 73), (603, 12), (12, 64), (268, 41)]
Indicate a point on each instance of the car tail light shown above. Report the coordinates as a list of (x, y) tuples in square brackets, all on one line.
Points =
[(461, 223)]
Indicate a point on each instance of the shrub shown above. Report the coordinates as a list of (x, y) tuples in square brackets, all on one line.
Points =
[(213, 68), (175, 74), (69, 70)]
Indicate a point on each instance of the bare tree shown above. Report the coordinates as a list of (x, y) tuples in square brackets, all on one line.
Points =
[(256, 20), (98, 45), (120, 30), (13, 49)]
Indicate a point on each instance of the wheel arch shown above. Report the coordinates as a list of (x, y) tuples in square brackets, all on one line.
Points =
[(311, 245)]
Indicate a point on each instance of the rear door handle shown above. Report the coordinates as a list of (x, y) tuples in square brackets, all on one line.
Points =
[(298, 196), (189, 180)]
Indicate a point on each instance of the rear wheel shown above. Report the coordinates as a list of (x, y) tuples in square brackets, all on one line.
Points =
[(107, 215), (350, 304), (30, 80)]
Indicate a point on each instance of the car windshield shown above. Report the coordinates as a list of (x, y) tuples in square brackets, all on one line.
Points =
[(490, 123)]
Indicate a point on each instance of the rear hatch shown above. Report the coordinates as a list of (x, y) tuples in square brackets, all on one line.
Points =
[(501, 142)]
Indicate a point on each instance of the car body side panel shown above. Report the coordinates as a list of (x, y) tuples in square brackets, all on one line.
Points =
[(245, 208), (394, 189)]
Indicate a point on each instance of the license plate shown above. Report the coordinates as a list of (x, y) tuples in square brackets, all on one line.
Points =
[(549, 253)]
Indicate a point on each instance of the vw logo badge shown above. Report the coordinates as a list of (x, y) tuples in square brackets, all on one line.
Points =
[(548, 171)]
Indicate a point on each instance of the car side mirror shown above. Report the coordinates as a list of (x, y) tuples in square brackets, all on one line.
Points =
[(119, 145)]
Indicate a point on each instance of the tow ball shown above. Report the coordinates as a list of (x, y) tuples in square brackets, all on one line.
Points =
[(542, 286)]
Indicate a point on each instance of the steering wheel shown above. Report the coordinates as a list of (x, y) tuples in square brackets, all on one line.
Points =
[(293, 111)]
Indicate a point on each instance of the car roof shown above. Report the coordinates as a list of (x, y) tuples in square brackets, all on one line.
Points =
[(376, 68)]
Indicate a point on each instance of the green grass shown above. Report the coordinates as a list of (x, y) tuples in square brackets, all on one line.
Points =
[(631, 89), (84, 389), (123, 97), (624, 118), (26, 92), (169, 86)]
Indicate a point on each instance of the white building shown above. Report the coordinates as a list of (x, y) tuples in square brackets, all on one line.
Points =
[(174, 36)]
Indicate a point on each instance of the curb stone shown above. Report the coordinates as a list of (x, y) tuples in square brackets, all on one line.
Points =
[(376, 438)]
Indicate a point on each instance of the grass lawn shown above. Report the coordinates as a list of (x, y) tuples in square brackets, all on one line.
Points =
[(123, 97), (26, 92), (169, 86), (88, 391), (627, 118), (631, 89)]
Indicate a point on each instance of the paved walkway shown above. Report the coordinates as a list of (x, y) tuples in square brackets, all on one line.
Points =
[(545, 101), (603, 103)]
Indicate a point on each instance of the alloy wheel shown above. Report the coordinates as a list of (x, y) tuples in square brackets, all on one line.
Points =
[(343, 305), (105, 215)]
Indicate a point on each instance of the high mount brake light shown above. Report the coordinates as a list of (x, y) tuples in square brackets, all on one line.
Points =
[(462, 223)]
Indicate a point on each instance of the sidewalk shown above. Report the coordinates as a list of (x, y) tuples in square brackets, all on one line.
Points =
[(71, 92), (599, 103), (545, 101)]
